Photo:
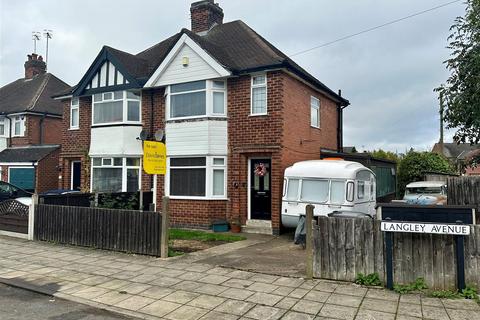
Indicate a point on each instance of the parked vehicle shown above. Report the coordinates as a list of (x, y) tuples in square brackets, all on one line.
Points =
[(330, 185), (59, 192), (9, 191), (426, 193)]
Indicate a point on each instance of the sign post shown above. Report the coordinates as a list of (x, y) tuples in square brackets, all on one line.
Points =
[(154, 162)]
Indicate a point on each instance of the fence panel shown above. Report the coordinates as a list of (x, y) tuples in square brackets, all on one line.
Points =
[(345, 247), (118, 230), (464, 191)]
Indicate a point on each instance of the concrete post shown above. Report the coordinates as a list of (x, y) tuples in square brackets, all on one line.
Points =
[(309, 239), (31, 217), (165, 227)]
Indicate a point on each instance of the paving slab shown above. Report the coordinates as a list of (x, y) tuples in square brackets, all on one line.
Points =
[(265, 313)]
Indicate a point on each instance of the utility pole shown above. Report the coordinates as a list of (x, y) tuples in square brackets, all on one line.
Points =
[(441, 122)]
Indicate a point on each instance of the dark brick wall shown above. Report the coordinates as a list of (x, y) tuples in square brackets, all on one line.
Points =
[(47, 172)]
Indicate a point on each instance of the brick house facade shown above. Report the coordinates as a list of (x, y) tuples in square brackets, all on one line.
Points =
[(30, 125), (245, 114)]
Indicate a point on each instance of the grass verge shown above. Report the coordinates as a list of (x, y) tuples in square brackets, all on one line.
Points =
[(182, 234)]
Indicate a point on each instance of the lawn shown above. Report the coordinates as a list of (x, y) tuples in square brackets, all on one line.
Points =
[(182, 241)]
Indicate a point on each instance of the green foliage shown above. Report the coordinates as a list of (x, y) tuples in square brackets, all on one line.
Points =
[(461, 92), (371, 279), (470, 292), (118, 201), (444, 294), (418, 285), (202, 236), (415, 164), (388, 155), (172, 252)]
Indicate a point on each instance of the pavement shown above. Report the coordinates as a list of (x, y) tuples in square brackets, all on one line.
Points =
[(19, 304), (184, 288)]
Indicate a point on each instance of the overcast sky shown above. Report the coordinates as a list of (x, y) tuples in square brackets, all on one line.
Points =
[(388, 74)]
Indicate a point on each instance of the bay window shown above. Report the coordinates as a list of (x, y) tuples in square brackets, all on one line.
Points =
[(74, 113), (2, 127), (259, 95), (115, 174), (18, 126), (199, 177), (197, 99), (116, 107)]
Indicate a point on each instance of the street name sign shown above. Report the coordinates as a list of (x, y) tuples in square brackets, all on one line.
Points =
[(413, 227)]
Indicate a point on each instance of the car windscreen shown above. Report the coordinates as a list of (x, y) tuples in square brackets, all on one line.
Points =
[(424, 190)]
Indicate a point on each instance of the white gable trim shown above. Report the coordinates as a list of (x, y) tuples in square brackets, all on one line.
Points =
[(184, 39)]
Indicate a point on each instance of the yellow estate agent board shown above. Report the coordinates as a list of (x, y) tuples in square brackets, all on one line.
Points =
[(154, 157)]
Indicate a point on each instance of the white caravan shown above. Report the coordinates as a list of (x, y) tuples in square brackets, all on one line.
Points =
[(329, 185)]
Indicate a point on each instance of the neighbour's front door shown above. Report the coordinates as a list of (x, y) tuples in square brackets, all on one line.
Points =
[(76, 173), (260, 189)]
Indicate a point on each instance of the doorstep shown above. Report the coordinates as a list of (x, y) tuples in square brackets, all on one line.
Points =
[(258, 226)]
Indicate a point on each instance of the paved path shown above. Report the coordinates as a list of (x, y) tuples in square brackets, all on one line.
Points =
[(184, 289), (19, 304)]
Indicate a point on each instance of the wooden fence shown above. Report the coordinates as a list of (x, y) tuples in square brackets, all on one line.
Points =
[(345, 247), (118, 230), (464, 191)]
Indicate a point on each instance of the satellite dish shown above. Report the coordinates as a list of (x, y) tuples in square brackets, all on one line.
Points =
[(159, 135), (143, 135)]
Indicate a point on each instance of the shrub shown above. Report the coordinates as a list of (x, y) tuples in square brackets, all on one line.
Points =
[(371, 279)]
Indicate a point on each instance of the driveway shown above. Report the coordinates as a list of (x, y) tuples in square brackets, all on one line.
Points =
[(271, 255)]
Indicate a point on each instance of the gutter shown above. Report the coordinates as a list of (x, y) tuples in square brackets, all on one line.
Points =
[(42, 120)]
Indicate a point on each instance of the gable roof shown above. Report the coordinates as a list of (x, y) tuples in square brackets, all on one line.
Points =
[(456, 151), (32, 95), (26, 154), (233, 44)]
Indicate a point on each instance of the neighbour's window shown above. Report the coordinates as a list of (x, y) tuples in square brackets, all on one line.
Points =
[(188, 176), (74, 113), (2, 126), (292, 189), (218, 97), (115, 174), (116, 107), (259, 95), (18, 126), (337, 192), (315, 190), (315, 112), (188, 99)]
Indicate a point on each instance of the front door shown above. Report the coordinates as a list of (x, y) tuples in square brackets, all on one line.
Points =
[(76, 173), (260, 189)]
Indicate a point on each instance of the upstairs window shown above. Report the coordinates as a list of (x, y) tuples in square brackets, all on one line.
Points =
[(2, 127), (74, 113), (314, 112), (116, 107), (19, 126), (197, 99), (259, 95)]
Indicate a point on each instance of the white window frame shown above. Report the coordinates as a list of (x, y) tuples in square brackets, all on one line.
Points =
[(75, 105), (21, 120), (209, 168), (252, 86), (124, 108), (317, 108), (3, 122), (124, 168), (209, 90)]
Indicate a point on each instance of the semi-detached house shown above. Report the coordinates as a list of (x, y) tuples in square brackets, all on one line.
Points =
[(235, 112)]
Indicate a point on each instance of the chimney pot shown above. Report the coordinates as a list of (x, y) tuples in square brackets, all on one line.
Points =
[(34, 66), (205, 14)]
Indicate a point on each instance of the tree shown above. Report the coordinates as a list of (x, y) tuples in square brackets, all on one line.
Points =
[(415, 164), (461, 92), (388, 155)]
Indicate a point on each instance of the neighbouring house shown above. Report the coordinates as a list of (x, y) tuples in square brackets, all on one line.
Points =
[(459, 155), (30, 128), (235, 112)]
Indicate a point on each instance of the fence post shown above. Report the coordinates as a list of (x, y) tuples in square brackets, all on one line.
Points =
[(309, 238), (165, 227), (31, 216)]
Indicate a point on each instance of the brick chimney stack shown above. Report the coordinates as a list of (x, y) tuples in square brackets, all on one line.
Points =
[(34, 66), (205, 14)]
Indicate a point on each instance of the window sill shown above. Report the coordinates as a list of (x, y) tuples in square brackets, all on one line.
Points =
[(117, 124), (315, 127), (197, 198), (73, 128), (258, 114), (218, 116)]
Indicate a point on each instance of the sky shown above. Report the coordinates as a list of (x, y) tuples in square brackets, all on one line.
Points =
[(388, 75)]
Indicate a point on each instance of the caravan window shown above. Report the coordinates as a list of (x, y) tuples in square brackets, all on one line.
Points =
[(292, 190), (337, 192), (315, 190), (361, 189)]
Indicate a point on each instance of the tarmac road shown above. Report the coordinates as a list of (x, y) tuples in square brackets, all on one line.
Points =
[(19, 304)]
